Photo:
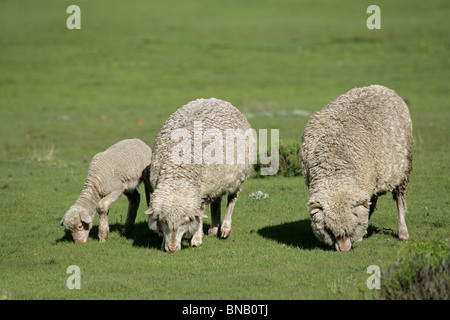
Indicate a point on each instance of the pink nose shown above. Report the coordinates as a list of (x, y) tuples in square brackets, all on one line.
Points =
[(343, 244), (173, 249)]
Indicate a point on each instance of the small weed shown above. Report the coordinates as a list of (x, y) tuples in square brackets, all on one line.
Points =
[(258, 195), (42, 155)]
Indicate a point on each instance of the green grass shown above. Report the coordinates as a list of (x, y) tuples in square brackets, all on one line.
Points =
[(68, 94)]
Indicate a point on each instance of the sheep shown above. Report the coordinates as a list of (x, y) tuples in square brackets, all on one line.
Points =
[(116, 171), (183, 187), (355, 149)]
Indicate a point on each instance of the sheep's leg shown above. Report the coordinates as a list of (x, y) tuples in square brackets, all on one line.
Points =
[(197, 238), (133, 204), (373, 204), (400, 197), (103, 210), (215, 217), (226, 225), (147, 185)]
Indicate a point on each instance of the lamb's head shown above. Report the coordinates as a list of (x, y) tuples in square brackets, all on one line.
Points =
[(339, 218), (78, 221), (174, 217)]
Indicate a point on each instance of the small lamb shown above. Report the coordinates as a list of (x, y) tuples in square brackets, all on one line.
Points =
[(184, 187), (355, 149), (119, 169)]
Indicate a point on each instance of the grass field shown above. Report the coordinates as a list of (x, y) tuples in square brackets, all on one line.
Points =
[(68, 94)]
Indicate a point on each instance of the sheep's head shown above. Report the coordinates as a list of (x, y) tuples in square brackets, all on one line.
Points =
[(339, 221), (78, 221), (174, 214), (173, 227)]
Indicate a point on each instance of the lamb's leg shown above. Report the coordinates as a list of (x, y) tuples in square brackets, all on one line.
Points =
[(197, 238), (400, 197), (226, 225), (103, 209), (133, 204), (215, 217)]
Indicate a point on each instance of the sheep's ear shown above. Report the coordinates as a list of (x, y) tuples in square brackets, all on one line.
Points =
[(86, 218), (149, 211), (185, 219), (199, 213), (61, 223), (314, 208), (364, 203)]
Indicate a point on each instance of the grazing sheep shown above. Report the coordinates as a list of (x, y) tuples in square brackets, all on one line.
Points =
[(119, 169), (184, 186), (355, 149)]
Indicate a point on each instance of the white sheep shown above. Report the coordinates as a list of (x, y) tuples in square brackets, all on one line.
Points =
[(193, 166), (355, 149), (116, 171)]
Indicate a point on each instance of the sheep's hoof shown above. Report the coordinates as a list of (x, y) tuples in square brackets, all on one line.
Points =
[(102, 240), (225, 233), (126, 231), (196, 242), (403, 237), (213, 231)]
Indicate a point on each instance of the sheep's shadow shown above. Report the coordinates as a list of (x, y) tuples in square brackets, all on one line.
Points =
[(299, 234), (141, 235), (371, 230), (296, 234), (67, 237)]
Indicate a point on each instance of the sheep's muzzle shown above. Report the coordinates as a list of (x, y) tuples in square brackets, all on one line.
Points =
[(343, 244)]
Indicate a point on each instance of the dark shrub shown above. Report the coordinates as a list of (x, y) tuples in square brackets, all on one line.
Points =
[(289, 159)]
